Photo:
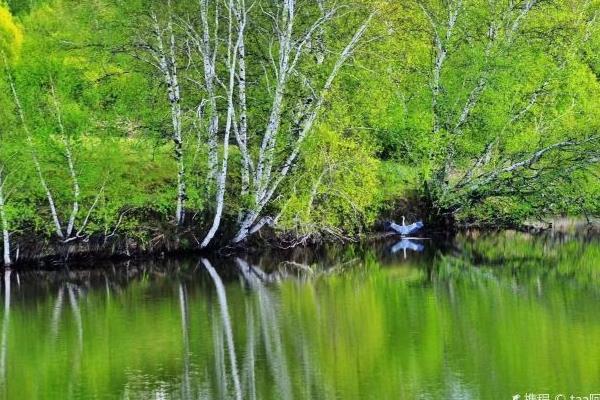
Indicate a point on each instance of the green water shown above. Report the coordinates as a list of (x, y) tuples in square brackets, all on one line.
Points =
[(483, 317)]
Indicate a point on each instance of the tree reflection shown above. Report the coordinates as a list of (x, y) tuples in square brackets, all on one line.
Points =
[(186, 392), (5, 326), (222, 298), (449, 324)]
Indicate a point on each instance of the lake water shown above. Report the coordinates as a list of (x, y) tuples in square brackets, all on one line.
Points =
[(481, 317)]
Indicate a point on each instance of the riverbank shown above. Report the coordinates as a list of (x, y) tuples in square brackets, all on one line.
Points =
[(34, 251)]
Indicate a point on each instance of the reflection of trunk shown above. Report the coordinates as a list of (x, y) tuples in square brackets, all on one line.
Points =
[(5, 323), (270, 328), (249, 375), (56, 313), (308, 367), (76, 314), (274, 343), (76, 364), (219, 354), (183, 305), (222, 298)]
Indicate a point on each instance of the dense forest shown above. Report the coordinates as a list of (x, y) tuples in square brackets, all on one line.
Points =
[(131, 124)]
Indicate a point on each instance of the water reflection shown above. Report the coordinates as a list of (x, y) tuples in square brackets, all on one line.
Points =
[(186, 390), (5, 323), (484, 318), (224, 308), (407, 244)]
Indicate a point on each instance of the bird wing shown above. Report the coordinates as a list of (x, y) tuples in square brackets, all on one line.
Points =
[(414, 227), (398, 228)]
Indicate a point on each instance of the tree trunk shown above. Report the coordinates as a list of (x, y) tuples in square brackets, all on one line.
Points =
[(167, 63), (222, 178), (208, 59), (3, 220), (264, 191), (175, 100), (243, 124), (36, 161), (70, 163)]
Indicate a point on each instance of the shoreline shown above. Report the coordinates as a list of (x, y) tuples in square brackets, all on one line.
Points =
[(43, 253)]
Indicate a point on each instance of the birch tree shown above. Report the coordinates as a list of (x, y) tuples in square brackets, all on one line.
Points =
[(70, 163), (531, 175), (4, 221), (219, 43), (72, 233), (163, 52), (233, 45), (502, 33), (292, 50), (34, 156), (65, 232), (503, 26)]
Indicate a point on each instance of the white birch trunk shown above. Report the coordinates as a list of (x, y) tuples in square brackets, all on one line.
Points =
[(4, 221), (482, 81), (481, 85), (76, 188), (36, 162), (167, 64), (175, 100), (264, 195), (242, 137), (222, 178), (70, 164), (51, 204), (441, 53), (209, 58), (265, 158)]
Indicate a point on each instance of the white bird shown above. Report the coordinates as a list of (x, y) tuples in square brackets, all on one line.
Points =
[(406, 229)]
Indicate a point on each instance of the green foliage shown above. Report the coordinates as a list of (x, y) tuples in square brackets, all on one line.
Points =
[(336, 186), (539, 87), (374, 141), (11, 35)]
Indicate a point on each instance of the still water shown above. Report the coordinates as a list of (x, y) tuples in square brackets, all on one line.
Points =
[(483, 317)]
